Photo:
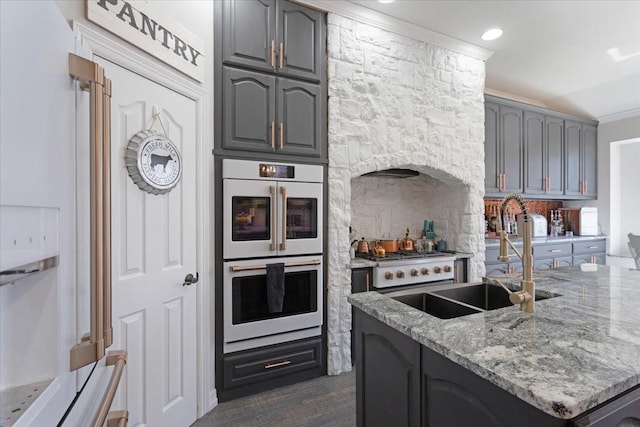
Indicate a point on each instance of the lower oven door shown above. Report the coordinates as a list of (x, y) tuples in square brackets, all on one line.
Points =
[(248, 322)]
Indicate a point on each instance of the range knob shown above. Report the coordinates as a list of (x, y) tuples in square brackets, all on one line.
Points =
[(388, 275), (414, 272), (424, 271), (400, 274), (437, 269), (447, 268)]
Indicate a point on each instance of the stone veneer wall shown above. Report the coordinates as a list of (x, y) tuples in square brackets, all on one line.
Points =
[(398, 102)]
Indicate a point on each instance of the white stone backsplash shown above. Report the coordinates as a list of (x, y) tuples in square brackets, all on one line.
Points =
[(395, 102)]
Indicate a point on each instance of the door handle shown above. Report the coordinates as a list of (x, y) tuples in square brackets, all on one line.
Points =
[(189, 279)]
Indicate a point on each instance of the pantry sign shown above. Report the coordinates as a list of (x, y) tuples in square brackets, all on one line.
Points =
[(145, 25)]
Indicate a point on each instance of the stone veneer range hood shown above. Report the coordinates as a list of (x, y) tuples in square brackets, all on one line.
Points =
[(399, 103)]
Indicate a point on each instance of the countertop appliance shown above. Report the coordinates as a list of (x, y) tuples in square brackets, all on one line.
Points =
[(538, 225), (402, 269), (584, 221)]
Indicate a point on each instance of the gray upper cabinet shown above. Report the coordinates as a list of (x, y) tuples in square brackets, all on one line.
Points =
[(543, 136), (274, 36), (249, 29), (503, 149), (299, 118), (249, 102), (543, 153), (264, 113), (581, 160), (300, 41)]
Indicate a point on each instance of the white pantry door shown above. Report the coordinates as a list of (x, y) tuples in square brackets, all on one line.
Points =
[(153, 249)]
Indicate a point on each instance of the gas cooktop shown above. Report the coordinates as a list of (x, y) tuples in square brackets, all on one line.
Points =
[(395, 256)]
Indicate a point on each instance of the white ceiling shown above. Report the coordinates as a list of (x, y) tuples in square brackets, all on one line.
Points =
[(553, 53)]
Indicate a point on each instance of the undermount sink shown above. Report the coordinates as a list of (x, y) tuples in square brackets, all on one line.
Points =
[(484, 296), (462, 301), (436, 306)]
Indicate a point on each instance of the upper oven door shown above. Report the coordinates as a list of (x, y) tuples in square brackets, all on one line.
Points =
[(271, 218), (300, 218), (249, 223)]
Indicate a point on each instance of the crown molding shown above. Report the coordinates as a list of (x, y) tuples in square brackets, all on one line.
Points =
[(385, 22), (620, 116)]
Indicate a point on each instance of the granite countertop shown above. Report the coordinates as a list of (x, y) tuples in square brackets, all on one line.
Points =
[(576, 351), (494, 242)]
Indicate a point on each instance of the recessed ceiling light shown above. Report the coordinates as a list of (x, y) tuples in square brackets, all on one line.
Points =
[(386, 1), (492, 34)]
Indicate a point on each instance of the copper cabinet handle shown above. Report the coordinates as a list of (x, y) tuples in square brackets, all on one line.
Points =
[(504, 181), (283, 243), (586, 186), (275, 365), (273, 136), (281, 136), (281, 55), (499, 181), (367, 281), (274, 210), (555, 251), (273, 53), (593, 247)]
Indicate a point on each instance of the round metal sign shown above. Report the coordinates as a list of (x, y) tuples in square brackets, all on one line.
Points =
[(154, 162)]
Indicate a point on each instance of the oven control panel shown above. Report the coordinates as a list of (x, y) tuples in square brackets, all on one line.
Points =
[(410, 272)]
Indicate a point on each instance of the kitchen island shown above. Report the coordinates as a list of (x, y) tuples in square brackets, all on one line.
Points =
[(578, 351)]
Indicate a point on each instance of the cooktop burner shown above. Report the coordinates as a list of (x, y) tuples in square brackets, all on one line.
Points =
[(394, 256)]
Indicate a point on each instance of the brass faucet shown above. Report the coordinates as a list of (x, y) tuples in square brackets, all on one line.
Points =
[(525, 296)]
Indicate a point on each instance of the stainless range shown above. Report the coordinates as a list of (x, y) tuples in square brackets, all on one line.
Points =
[(411, 268)]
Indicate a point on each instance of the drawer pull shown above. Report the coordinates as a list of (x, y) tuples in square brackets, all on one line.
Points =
[(275, 365), (555, 251), (593, 247)]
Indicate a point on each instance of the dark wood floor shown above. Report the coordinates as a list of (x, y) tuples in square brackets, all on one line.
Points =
[(324, 401)]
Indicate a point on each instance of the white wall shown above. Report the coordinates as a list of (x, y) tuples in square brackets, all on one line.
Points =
[(607, 203)]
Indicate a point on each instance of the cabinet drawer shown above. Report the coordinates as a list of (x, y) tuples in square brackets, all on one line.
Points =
[(552, 251), (589, 247), (265, 363)]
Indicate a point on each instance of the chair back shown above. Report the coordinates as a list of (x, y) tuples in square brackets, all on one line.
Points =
[(634, 247)]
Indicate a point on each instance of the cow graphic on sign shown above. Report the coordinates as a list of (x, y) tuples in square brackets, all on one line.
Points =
[(153, 162)]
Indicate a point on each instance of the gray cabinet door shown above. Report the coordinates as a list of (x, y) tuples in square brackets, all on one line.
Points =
[(301, 41), (543, 154), (573, 166), (492, 169), (511, 148), (249, 102), (554, 130), (249, 29), (535, 180), (299, 116), (589, 160)]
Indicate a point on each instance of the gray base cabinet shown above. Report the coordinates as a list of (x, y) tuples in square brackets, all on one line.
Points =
[(387, 375), (547, 256), (402, 383)]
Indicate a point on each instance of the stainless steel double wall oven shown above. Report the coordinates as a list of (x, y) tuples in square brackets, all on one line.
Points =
[(272, 213)]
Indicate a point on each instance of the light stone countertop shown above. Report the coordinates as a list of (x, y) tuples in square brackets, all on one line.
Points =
[(576, 351), (495, 241)]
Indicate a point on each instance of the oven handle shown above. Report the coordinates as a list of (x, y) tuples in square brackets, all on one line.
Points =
[(274, 209), (283, 243), (235, 268)]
